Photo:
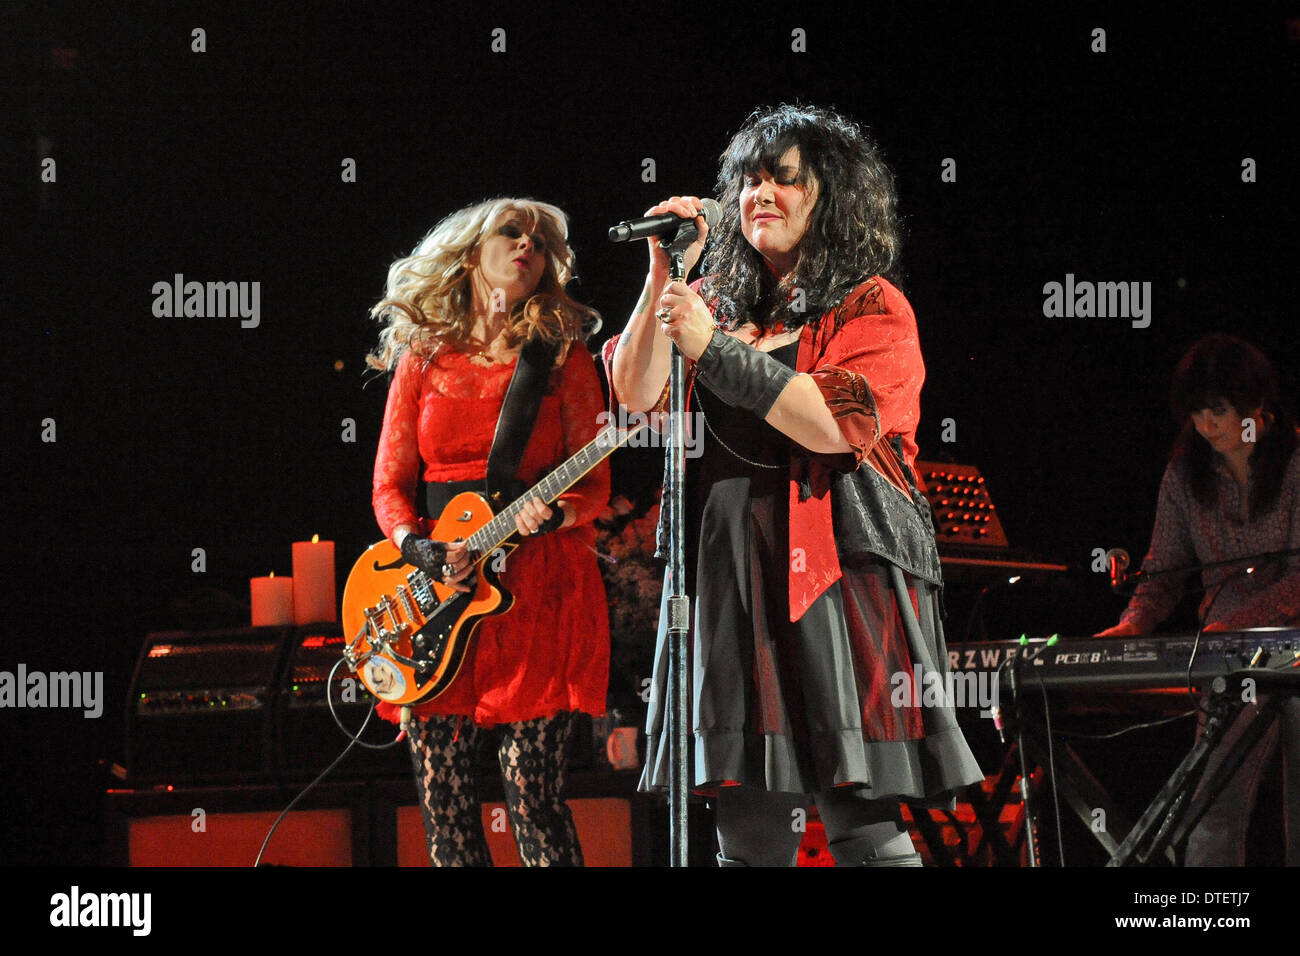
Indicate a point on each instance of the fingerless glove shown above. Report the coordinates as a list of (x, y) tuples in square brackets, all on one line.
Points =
[(425, 553), (741, 375)]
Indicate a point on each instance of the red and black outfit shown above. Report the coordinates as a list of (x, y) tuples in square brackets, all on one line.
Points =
[(531, 668), (815, 582)]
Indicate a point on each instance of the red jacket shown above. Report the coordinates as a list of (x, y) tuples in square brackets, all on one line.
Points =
[(870, 373)]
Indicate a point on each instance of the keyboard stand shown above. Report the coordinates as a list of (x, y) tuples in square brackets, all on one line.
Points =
[(1170, 803)]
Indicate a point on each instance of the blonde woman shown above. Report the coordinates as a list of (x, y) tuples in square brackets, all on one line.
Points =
[(488, 280)]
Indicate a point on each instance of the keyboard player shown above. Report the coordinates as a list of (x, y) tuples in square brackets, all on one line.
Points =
[(1231, 488)]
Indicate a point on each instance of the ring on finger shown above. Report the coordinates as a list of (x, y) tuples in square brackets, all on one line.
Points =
[(663, 315)]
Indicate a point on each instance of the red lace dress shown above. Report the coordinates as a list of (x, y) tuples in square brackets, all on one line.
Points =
[(550, 652)]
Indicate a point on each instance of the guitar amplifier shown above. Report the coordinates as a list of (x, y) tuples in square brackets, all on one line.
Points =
[(200, 705), (307, 738)]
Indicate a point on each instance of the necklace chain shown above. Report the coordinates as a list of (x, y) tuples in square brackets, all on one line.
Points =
[(734, 453)]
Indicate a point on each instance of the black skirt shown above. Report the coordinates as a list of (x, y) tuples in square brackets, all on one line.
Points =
[(803, 706)]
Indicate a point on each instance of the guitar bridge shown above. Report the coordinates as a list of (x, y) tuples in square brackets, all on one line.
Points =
[(404, 599), (422, 591)]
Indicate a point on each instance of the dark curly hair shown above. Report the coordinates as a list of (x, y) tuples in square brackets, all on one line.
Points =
[(853, 233), (1223, 368)]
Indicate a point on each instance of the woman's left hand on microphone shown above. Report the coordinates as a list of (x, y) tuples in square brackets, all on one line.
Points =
[(685, 319)]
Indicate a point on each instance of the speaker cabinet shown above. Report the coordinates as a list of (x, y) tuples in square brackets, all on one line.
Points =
[(225, 826)]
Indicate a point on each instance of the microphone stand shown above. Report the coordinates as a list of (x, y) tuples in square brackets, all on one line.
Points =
[(677, 710), (1026, 800), (1226, 562), (679, 603), (1026, 791)]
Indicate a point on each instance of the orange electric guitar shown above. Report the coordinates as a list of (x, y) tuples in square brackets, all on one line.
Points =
[(411, 631)]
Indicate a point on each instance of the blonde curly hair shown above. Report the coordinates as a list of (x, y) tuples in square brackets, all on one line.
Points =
[(428, 302)]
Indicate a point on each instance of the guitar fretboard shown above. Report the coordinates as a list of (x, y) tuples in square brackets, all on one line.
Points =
[(493, 534)]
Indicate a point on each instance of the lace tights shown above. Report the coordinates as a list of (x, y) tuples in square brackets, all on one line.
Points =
[(531, 754)]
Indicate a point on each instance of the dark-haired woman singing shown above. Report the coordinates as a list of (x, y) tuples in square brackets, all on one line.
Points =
[(811, 557)]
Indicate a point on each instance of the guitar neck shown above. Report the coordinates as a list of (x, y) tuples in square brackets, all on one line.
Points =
[(493, 534)]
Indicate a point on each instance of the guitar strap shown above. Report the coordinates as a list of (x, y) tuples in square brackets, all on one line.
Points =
[(515, 424), (514, 428)]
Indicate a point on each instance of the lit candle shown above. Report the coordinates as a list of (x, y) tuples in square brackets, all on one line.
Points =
[(313, 582), (272, 600)]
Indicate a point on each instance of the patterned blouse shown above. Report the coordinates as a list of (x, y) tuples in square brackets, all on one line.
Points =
[(1187, 533)]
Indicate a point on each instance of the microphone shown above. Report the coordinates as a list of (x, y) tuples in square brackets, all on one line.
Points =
[(1117, 561), (663, 223)]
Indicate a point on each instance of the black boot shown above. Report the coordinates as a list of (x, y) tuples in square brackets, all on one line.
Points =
[(861, 852)]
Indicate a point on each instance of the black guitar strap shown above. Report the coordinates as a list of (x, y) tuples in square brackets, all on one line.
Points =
[(514, 428), (518, 415)]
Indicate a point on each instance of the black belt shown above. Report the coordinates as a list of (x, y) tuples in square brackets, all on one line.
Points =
[(438, 494)]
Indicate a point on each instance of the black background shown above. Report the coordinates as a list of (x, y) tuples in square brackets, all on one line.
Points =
[(183, 433)]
